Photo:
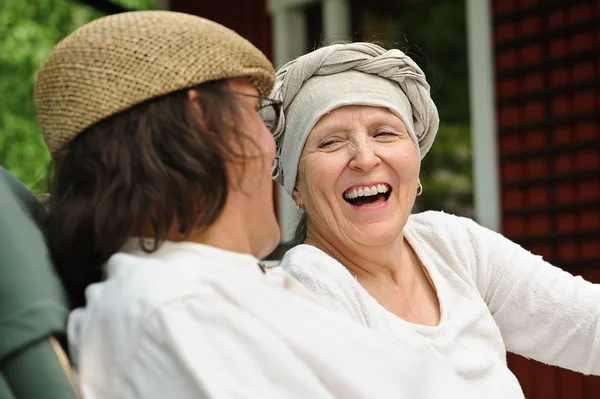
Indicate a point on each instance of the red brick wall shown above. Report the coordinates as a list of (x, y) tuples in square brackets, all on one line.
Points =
[(547, 71), (249, 18)]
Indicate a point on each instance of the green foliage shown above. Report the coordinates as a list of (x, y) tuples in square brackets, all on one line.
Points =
[(136, 4), (433, 33), (446, 172), (29, 29)]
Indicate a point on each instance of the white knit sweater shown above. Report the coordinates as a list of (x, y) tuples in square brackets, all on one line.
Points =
[(494, 297)]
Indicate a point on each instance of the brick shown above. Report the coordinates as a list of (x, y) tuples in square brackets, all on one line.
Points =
[(589, 220), (558, 47), (509, 115), (564, 193), (533, 82), (566, 222), (567, 250), (538, 196), (588, 189), (514, 227), (561, 134), (534, 111), (527, 3), (559, 76), (531, 26), (508, 59), (531, 54), (535, 139), (583, 71), (588, 159), (537, 167), (503, 6), (512, 171), (590, 249), (506, 31), (510, 143), (513, 199), (508, 87), (581, 42), (593, 276), (586, 130), (584, 101), (561, 105), (564, 163), (580, 12), (539, 225), (556, 19)]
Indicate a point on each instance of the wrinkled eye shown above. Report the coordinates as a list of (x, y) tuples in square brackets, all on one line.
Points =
[(330, 144), (385, 134)]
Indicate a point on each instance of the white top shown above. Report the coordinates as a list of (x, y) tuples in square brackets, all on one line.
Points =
[(494, 296), (193, 321)]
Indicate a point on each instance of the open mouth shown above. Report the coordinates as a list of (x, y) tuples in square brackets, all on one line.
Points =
[(368, 195)]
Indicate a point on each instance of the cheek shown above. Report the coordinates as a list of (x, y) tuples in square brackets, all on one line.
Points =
[(266, 141), (405, 161), (318, 176), (263, 139)]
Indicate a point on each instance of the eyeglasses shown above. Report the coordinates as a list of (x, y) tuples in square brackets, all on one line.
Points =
[(269, 110)]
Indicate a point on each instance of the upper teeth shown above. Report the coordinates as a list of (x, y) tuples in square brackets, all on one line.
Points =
[(366, 191)]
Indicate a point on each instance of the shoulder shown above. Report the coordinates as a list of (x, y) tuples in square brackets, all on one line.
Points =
[(140, 283), (304, 260), (328, 279), (439, 227), (439, 220), (138, 286), (452, 241), (303, 254)]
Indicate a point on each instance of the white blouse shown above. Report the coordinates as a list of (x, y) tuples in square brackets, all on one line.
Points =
[(494, 296), (193, 321)]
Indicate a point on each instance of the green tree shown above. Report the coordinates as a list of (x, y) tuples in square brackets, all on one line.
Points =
[(29, 29), (433, 33)]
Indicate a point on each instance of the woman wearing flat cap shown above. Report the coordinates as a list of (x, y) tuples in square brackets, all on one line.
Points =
[(358, 121), (161, 206)]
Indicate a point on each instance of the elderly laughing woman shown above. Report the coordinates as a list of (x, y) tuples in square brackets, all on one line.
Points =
[(358, 121)]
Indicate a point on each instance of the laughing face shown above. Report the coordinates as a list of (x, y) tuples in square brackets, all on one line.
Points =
[(358, 177)]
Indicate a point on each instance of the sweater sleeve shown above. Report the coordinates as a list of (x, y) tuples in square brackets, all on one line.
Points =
[(543, 312)]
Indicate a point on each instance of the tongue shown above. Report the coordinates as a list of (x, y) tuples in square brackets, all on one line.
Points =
[(368, 200)]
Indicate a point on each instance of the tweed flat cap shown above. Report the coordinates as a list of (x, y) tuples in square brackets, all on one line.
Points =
[(118, 61)]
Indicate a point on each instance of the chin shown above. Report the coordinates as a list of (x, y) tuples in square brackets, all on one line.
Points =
[(375, 235)]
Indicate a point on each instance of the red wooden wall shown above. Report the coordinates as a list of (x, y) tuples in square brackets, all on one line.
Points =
[(547, 71), (249, 18)]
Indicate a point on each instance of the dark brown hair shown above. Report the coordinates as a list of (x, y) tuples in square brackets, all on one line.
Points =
[(159, 164)]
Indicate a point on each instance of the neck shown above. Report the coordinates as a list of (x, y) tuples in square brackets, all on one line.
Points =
[(230, 231), (389, 262)]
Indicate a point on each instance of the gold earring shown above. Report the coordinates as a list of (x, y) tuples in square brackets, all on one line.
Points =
[(419, 189)]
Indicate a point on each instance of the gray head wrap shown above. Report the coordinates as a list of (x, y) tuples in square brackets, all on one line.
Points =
[(348, 74)]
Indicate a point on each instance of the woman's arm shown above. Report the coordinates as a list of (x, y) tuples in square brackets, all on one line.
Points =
[(543, 312)]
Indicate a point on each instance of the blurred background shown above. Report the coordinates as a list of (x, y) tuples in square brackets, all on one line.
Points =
[(516, 82)]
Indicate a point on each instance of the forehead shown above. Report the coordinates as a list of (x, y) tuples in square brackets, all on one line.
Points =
[(242, 85), (349, 116)]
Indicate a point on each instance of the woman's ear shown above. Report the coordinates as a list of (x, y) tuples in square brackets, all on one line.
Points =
[(297, 197)]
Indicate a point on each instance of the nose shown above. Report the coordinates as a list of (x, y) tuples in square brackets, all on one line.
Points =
[(364, 157)]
